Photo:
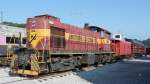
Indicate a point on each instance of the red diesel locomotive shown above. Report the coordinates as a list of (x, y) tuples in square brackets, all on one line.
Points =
[(55, 46)]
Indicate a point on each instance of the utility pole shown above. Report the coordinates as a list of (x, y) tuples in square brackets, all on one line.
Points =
[(1, 14)]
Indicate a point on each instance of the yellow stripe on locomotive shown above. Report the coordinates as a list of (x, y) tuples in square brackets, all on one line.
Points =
[(36, 35), (103, 41)]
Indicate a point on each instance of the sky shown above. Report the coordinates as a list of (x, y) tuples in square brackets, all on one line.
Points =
[(128, 17)]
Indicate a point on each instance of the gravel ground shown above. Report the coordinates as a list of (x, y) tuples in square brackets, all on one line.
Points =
[(135, 71), (61, 78)]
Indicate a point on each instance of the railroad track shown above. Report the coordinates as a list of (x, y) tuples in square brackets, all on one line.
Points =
[(14, 79), (4, 77), (9, 82)]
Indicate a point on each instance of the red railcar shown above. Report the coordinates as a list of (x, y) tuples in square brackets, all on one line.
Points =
[(148, 50), (137, 47), (122, 48)]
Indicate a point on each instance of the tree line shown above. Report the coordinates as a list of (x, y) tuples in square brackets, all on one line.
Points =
[(147, 42), (22, 25)]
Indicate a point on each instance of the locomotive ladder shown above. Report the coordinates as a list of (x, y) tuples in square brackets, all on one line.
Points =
[(36, 64), (9, 57), (13, 64)]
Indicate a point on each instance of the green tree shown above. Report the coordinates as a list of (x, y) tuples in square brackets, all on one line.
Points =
[(14, 24), (146, 42)]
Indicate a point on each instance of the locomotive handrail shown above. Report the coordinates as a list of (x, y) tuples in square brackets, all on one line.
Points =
[(8, 52)]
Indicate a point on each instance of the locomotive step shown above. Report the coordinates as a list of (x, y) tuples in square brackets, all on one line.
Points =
[(89, 68)]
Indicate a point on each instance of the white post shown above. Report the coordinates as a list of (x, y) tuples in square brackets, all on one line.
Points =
[(1, 17)]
